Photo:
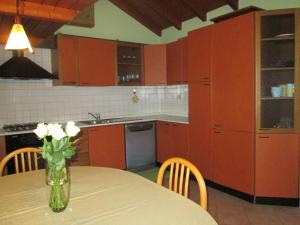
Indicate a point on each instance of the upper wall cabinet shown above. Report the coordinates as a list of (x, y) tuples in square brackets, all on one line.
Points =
[(278, 46), (200, 54), (85, 61), (155, 64), (130, 64), (177, 62)]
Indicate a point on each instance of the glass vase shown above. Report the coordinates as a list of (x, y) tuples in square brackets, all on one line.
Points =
[(58, 181)]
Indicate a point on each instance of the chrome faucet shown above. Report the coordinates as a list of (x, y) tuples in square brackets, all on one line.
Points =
[(96, 116)]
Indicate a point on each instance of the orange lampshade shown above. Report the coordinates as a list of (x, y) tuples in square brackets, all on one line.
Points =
[(17, 39)]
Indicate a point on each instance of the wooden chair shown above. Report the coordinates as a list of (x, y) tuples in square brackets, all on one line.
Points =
[(20, 154), (180, 170)]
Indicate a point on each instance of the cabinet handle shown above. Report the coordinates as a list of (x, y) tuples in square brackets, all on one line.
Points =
[(70, 82), (264, 136), (217, 132), (218, 125), (205, 78), (206, 84), (84, 83)]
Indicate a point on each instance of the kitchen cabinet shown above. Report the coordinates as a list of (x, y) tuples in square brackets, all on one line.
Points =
[(233, 74), (130, 64), (179, 140), (107, 146), (277, 165), (155, 63), (177, 62), (96, 62), (84, 61), (81, 157), (233, 160), (200, 54), (163, 141), (277, 70), (65, 61), (200, 127), (171, 140)]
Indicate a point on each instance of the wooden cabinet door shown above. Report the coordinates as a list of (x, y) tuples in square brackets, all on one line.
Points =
[(184, 60), (81, 157), (277, 165), (155, 63), (200, 127), (200, 54), (233, 160), (107, 147), (97, 63), (163, 141), (233, 74), (67, 60), (179, 140), (174, 63)]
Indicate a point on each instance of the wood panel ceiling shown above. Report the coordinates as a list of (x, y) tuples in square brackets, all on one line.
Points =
[(41, 18), (157, 15)]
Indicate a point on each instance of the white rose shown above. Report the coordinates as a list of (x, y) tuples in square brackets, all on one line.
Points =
[(41, 130), (56, 131), (71, 129)]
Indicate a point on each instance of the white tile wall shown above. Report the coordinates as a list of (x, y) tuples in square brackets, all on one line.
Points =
[(39, 101)]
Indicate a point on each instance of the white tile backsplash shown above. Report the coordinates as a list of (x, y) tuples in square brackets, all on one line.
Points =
[(24, 101)]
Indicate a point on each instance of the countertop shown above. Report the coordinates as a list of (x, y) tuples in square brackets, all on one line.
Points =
[(132, 119)]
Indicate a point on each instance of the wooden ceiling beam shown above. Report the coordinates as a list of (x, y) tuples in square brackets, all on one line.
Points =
[(234, 4), (130, 10), (196, 8), (38, 11), (157, 6)]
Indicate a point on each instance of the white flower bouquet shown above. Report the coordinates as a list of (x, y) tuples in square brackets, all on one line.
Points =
[(57, 148)]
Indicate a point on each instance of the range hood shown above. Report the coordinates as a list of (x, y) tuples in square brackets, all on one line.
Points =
[(20, 67)]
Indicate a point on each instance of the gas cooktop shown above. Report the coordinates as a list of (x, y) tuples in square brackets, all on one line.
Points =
[(19, 127)]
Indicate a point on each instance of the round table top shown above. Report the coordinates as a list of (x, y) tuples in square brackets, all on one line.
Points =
[(98, 196)]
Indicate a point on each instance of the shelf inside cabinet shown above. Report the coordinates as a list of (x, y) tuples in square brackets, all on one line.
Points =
[(130, 64), (276, 68), (277, 98), (278, 39)]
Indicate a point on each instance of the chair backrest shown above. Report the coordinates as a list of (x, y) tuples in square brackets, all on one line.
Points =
[(23, 154), (179, 176)]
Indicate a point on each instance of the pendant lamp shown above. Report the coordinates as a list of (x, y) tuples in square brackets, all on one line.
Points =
[(17, 39)]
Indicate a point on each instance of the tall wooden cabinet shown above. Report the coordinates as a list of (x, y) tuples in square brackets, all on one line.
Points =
[(233, 103), (244, 103), (221, 121), (277, 103)]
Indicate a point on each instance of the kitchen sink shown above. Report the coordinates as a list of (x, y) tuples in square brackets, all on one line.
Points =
[(106, 121)]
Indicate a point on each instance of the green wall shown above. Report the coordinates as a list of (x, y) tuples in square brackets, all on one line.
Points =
[(113, 23)]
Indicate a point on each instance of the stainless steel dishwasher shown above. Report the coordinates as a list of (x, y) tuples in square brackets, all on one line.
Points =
[(140, 145)]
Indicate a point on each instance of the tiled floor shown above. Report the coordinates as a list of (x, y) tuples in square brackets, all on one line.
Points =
[(229, 210)]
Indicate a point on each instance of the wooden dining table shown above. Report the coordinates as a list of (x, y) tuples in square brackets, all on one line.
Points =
[(98, 196)]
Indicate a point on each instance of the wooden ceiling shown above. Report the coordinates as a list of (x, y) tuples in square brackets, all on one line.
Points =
[(157, 15), (41, 18)]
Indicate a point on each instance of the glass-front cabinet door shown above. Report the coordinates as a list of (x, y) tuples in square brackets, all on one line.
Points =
[(277, 71)]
